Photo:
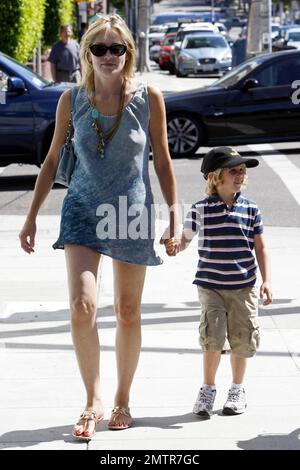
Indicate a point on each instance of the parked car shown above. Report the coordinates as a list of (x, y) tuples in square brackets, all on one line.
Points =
[(203, 53), (251, 104), (27, 113), (186, 29), (235, 22), (292, 37), (165, 52), (177, 16)]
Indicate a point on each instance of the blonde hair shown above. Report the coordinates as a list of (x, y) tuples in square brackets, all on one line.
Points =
[(211, 187), (102, 25)]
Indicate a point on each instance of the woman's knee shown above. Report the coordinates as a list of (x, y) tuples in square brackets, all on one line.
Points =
[(83, 309), (127, 313)]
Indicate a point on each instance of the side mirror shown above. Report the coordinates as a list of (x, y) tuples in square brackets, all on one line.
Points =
[(16, 85), (250, 83)]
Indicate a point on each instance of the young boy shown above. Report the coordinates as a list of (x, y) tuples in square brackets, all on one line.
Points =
[(229, 226)]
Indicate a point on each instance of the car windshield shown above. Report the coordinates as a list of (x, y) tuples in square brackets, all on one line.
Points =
[(294, 36), (197, 42), (169, 41), (29, 75), (237, 73)]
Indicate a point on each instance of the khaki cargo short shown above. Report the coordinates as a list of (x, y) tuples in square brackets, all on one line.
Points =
[(231, 313)]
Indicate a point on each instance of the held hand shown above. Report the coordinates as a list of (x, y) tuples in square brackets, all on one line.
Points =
[(265, 289), (27, 236), (171, 246), (171, 240)]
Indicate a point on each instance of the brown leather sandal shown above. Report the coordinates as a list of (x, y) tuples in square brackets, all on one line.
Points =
[(87, 415), (118, 412)]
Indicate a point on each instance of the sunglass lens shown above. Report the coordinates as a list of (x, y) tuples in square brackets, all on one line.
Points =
[(98, 50), (118, 49)]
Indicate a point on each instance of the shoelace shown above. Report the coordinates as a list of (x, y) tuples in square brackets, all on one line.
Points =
[(235, 395), (206, 396)]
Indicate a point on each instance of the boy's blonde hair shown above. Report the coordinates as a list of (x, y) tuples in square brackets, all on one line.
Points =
[(211, 187), (101, 25)]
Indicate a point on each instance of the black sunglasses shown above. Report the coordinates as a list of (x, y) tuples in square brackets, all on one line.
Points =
[(99, 50)]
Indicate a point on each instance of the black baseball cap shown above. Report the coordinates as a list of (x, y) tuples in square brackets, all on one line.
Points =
[(224, 157)]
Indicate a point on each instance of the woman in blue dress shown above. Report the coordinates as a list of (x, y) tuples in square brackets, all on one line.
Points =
[(108, 209)]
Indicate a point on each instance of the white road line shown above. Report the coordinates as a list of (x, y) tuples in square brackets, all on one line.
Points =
[(285, 168), (2, 169)]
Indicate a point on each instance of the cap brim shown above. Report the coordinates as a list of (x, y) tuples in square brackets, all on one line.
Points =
[(249, 162)]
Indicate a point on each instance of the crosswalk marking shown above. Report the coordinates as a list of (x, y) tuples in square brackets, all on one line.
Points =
[(283, 166)]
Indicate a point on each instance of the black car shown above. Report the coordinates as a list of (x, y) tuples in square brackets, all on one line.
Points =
[(254, 103)]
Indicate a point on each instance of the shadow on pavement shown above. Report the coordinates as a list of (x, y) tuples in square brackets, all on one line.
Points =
[(289, 441), (26, 438)]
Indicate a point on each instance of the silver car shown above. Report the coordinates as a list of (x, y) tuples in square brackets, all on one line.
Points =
[(203, 53)]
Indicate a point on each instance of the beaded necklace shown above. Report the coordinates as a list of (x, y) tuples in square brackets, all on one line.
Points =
[(105, 137)]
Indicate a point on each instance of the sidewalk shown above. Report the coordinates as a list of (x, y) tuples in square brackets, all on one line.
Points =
[(41, 392)]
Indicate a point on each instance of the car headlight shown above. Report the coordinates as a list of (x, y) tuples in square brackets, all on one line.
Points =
[(185, 59), (226, 57)]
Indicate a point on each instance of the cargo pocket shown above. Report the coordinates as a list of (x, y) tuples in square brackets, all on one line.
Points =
[(254, 339), (203, 329)]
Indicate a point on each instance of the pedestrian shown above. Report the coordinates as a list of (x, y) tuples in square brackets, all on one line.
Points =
[(229, 227), (83, 29), (114, 119), (64, 57)]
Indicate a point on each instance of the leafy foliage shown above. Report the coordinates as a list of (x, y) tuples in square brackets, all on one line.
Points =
[(21, 27), (57, 12)]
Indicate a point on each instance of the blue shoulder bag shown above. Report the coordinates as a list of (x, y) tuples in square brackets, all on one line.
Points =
[(67, 159)]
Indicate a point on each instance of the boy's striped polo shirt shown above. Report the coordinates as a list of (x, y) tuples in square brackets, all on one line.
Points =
[(225, 241)]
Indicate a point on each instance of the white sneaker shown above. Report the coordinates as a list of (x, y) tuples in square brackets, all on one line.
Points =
[(236, 402), (205, 402)]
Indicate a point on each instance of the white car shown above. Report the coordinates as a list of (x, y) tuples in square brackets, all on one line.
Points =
[(292, 37), (203, 53)]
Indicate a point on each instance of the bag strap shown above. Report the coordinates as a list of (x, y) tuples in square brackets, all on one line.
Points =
[(70, 131)]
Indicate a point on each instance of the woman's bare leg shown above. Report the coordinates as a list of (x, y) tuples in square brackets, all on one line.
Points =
[(82, 267), (128, 288)]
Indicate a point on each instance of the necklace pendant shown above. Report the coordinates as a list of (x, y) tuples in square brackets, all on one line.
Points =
[(95, 113)]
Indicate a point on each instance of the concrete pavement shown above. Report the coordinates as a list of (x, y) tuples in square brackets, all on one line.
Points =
[(41, 393)]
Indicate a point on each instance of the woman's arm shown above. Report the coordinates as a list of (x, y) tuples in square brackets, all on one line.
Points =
[(47, 173), (161, 157), (264, 267)]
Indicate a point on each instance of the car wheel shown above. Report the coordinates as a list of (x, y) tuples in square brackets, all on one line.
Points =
[(185, 134), (171, 69), (179, 74)]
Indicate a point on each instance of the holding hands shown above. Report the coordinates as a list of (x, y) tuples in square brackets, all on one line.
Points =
[(171, 239)]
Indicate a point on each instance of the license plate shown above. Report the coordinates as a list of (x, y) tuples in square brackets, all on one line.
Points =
[(207, 67)]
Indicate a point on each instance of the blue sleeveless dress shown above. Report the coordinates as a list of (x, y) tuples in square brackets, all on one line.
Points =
[(109, 204)]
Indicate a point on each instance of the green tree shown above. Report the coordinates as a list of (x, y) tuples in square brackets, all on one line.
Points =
[(57, 12), (21, 27)]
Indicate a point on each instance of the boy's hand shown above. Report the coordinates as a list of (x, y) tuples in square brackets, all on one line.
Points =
[(265, 289), (171, 246)]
